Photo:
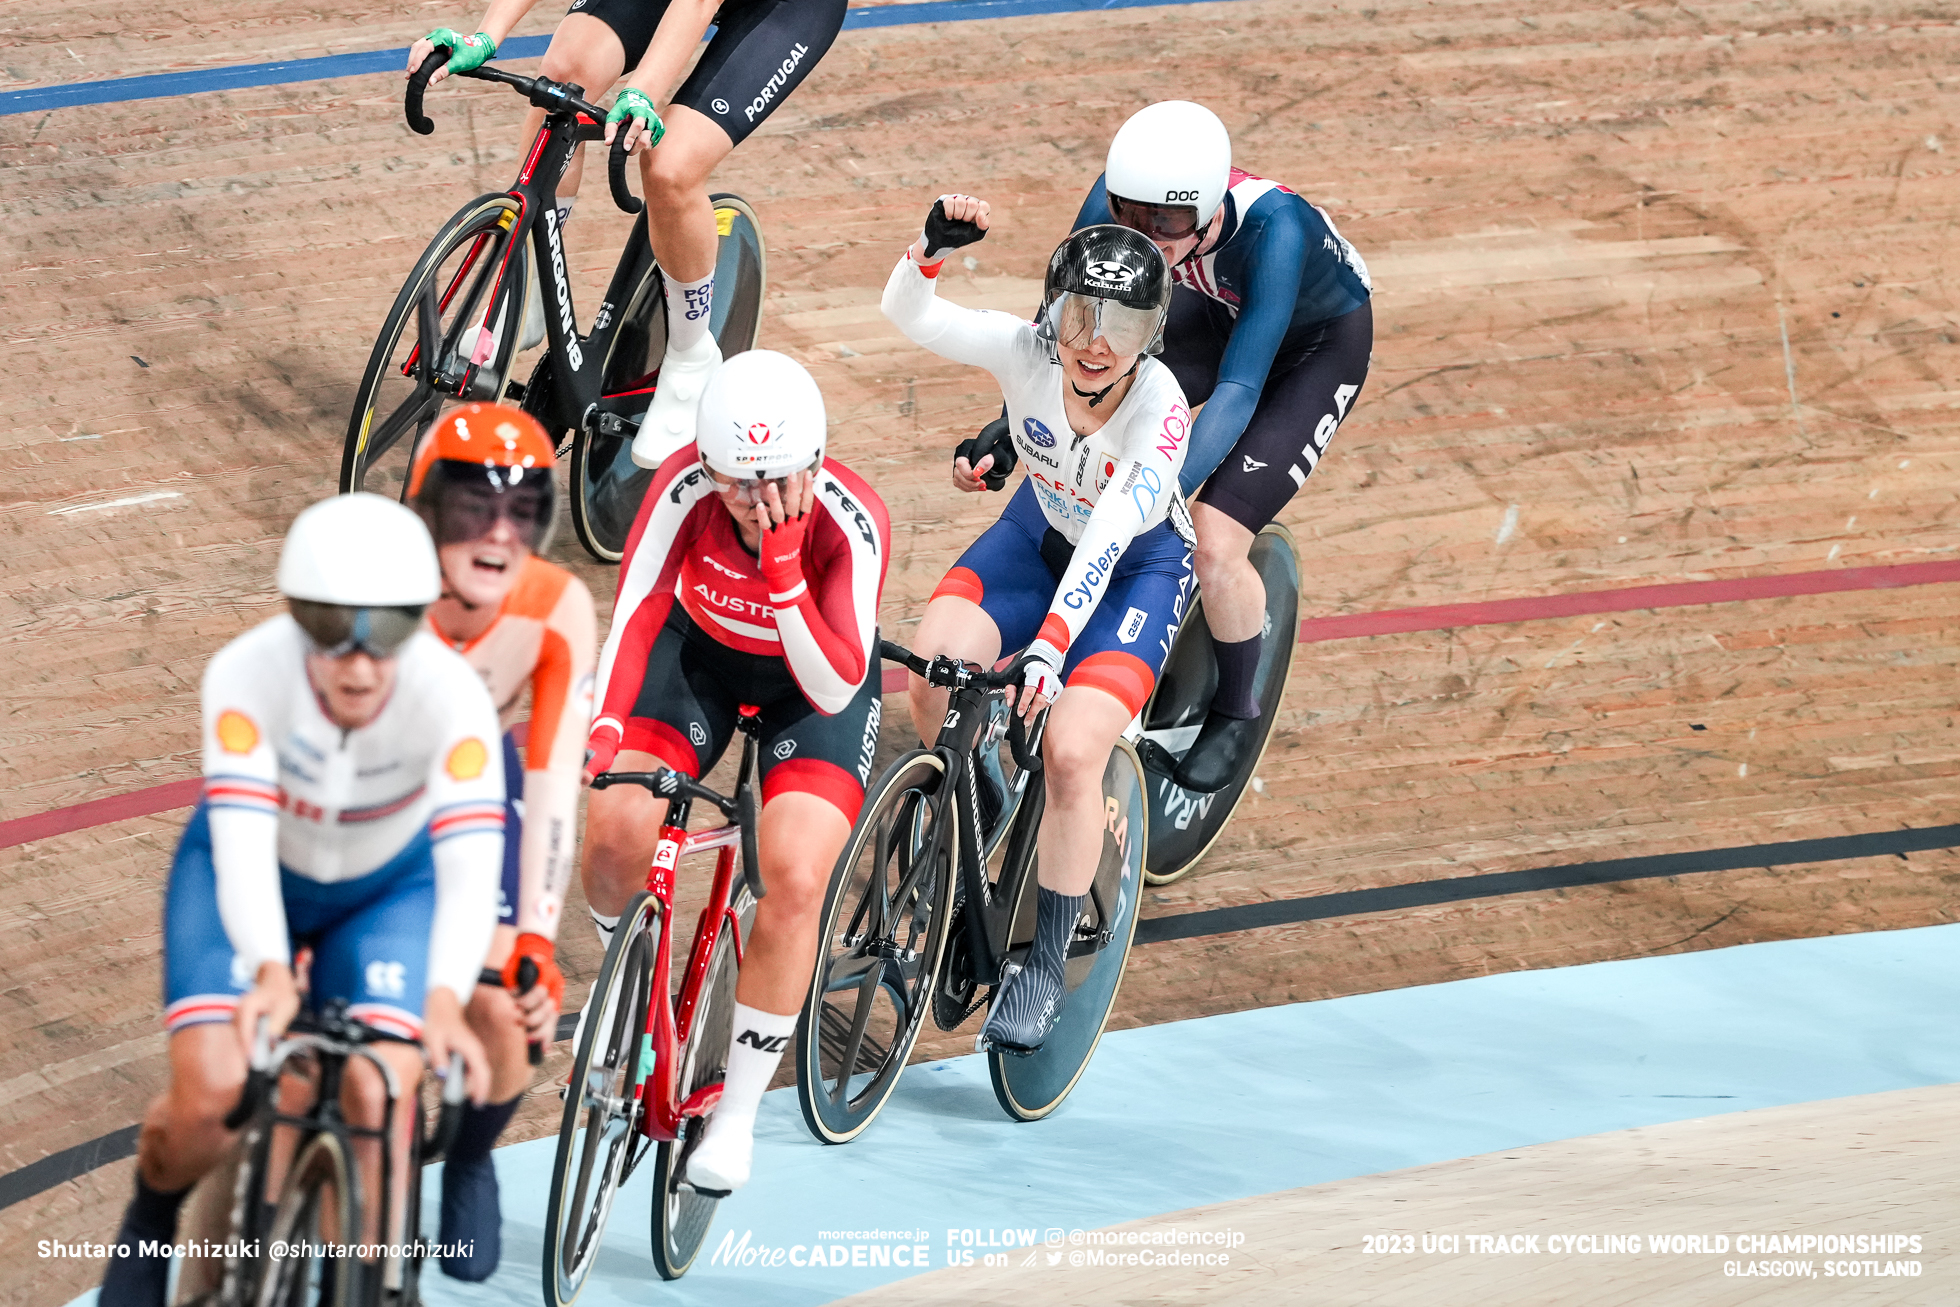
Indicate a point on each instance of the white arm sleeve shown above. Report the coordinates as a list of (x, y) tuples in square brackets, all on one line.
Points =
[(468, 869), (241, 796), (982, 338)]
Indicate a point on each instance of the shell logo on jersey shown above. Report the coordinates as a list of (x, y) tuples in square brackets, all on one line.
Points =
[(236, 732), (467, 760)]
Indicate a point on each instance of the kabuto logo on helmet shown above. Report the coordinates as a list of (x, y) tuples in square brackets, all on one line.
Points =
[(1109, 270)]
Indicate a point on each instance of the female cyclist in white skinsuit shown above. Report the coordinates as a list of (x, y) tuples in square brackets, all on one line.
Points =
[(1087, 567)]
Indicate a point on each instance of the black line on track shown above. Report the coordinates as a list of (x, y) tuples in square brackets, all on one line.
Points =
[(72, 1163), (1422, 894)]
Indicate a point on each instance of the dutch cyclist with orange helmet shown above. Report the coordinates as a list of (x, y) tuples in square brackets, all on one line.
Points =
[(752, 576), (1270, 329), (353, 803), (481, 481), (1088, 567)]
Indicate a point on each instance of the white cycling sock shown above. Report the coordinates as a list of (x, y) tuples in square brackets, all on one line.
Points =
[(754, 1051), (605, 926), (565, 203), (689, 304)]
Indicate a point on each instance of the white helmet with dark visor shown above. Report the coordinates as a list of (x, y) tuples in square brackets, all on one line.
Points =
[(1109, 282)]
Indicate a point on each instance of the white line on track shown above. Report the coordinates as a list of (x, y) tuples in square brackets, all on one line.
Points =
[(150, 498)]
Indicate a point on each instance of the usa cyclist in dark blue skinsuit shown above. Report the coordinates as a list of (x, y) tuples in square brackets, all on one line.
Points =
[(1270, 330)]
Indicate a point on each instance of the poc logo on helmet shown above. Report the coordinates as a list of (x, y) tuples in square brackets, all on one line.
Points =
[(1180, 197), (1120, 274)]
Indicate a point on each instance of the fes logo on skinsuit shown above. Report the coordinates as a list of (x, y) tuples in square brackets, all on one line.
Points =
[(784, 748), (466, 761), (236, 732), (1037, 433)]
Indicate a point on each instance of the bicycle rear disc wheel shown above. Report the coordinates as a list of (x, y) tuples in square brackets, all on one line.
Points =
[(477, 273), (607, 485), (681, 1216), (1029, 1088), (1183, 825), (884, 932), (319, 1205), (599, 1141)]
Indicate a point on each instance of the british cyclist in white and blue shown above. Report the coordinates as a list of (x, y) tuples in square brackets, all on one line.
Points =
[(1270, 329), (354, 807)]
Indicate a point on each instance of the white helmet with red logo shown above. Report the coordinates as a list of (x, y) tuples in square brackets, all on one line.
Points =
[(761, 416)]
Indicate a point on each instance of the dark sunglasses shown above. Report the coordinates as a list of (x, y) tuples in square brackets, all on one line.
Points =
[(463, 515), (337, 630), (1170, 222)]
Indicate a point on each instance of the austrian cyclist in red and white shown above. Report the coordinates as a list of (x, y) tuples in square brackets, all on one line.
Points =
[(1089, 566), (482, 481), (354, 802), (752, 576)]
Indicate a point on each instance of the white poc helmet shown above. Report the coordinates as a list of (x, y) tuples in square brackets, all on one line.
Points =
[(360, 551), (761, 416), (1173, 152)]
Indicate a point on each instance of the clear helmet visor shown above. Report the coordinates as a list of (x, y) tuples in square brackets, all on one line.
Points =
[(1079, 320)]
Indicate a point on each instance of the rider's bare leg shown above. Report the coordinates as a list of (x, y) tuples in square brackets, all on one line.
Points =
[(954, 626), (1082, 728), (586, 51), (1235, 597), (800, 837)]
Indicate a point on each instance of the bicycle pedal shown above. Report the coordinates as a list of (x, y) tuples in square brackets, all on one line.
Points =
[(1155, 757), (514, 392), (694, 1188)]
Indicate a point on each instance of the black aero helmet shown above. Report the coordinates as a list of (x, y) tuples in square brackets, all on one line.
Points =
[(1106, 281)]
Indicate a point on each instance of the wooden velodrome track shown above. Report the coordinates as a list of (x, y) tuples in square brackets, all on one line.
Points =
[(1661, 297)]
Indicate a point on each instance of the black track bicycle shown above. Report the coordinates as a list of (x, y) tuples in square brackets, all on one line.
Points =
[(284, 1241), (455, 329), (933, 901)]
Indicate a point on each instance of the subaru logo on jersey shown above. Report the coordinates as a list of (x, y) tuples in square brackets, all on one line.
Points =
[(1109, 270), (783, 749), (1037, 433)]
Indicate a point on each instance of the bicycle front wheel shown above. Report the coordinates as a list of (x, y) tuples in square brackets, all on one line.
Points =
[(319, 1207), (1029, 1088), (599, 1142), (681, 1216), (476, 278), (884, 932), (607, 485)]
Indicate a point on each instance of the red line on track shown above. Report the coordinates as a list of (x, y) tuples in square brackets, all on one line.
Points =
[(1315, 630)]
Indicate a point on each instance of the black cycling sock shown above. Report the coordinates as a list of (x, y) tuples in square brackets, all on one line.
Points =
[(1054, 925), (1237, 695), (477, 1133), (138, 1280)]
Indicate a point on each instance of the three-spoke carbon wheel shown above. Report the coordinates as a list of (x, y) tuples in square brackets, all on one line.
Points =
[(681, 1216), (472, 269), (599, 1142), (884, 931)]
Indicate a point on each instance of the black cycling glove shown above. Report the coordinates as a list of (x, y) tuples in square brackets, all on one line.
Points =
[(993, 439), (944, 234)]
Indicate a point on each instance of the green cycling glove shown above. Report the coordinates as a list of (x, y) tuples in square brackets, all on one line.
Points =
[(636, 105), (466, 52)]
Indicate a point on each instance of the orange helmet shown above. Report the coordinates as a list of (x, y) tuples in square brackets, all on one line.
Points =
[(480, 462)]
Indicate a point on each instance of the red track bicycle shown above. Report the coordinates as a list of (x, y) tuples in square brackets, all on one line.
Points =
[(648, 1070)]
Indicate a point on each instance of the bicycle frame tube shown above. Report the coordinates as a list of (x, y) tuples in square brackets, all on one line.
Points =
[(671, 1023), (577, 362), (988, 926)]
